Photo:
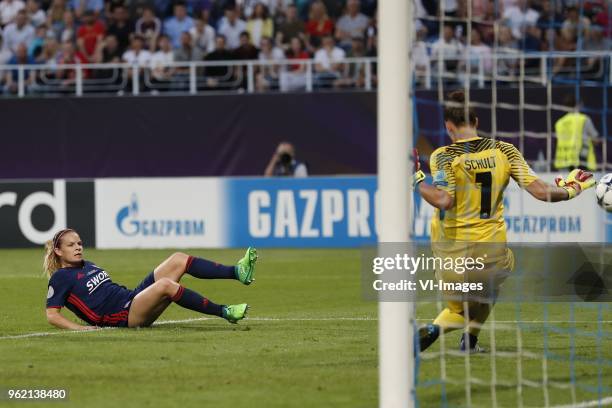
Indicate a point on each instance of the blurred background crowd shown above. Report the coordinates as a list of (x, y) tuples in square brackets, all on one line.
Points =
[(156, 33)]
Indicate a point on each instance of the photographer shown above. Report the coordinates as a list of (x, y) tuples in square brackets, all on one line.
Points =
[(283, 163)]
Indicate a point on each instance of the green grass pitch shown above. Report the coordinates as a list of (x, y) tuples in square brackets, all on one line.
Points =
[(311, 341)]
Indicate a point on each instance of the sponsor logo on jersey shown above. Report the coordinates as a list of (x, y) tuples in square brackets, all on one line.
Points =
[(50, 292), (96, 280), (439, 178)]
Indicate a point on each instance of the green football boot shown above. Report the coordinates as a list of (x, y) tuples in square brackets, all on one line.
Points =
[(245, 268), (233, 313)]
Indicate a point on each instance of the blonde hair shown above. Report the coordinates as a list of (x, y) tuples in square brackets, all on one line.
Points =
[(51, 261)]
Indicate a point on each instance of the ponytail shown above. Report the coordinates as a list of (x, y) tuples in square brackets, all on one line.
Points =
[(51, 262), (457, 112)]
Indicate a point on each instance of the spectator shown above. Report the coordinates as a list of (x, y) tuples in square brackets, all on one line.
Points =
[(176, 25), (519, 17), (595, 42), (267, 77), (89, 34), (354, 77), (36, 16), (284, 164), (5, 54), (11, 78), (68, 32), (18, 32), (509, 51), (420, 55), (36, 45), (260, 24), (136, 9), (120, 27), (447, 49), (187, 51), (319, 24), (249, 6), (328, 62), (449, 8), (372, 37), (575, 135), (55, 17), (149, 27), (81, 6), (532, 43), (246, 50), (479, 51), (575, 25), (488, 22), (8, 11), (216, 75), (49, 51), (351, 25), (291, 27), (230, 26), (549, 22), (108, 51), (294, 77), (203, 36), (161, 61), (68, 55), (602, 20), (137, 54)]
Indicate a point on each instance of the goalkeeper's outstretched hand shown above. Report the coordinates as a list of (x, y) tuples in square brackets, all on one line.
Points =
[(576, 182), (418, 175)]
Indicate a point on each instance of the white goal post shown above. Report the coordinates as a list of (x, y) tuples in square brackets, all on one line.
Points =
[(395, 345)]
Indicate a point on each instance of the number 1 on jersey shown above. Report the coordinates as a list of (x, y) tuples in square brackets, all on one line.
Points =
[(485, 180)]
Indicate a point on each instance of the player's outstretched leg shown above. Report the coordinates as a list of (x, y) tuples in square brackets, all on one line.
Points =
[(245, 268), (178, 264), (148, 305)]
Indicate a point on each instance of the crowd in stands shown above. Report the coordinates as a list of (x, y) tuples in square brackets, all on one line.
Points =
[(154, 33), (511, 28)]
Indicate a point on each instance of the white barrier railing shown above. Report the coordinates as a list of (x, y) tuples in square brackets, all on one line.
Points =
[(290, 75)]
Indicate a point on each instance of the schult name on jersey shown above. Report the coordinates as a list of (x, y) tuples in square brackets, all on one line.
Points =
[(477, 164), (96, 279)]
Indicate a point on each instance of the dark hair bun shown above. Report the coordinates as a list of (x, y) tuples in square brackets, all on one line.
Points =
[(457, 96)]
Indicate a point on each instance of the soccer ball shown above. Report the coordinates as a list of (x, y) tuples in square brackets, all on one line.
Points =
[(603, 192)]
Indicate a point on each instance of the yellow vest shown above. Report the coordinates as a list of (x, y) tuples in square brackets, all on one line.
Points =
[(570, 130)]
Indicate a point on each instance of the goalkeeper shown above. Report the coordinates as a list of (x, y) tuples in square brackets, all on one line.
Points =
[(469, 179)]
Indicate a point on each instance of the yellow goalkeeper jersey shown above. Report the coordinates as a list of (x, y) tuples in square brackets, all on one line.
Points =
[(475, 172)]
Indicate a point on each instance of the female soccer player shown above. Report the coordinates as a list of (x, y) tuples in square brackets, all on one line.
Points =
[(89, 293), (469, 179)]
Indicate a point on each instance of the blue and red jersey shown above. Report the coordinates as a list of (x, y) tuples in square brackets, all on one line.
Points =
[(90, 294)]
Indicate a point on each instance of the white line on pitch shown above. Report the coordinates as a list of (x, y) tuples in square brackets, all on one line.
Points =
[(163, 322), (273, 319), (587, 404)]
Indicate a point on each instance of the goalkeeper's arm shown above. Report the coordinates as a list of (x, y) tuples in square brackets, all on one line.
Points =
[(576, 182)]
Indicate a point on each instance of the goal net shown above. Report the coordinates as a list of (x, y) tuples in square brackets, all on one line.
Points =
[(523, 65)]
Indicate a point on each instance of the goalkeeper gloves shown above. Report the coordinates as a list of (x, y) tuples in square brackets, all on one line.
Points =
[(576, 182), (418, 175)]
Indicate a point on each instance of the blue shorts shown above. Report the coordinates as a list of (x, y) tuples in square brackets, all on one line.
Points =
[(117, 313)]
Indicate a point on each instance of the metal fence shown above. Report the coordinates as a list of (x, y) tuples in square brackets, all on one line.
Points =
[(505, 69)]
